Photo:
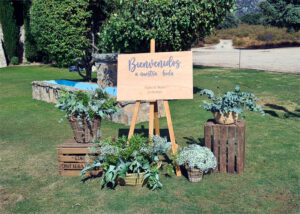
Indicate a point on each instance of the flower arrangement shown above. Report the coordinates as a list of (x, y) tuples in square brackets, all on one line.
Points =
[(136, 155), (197, 157)]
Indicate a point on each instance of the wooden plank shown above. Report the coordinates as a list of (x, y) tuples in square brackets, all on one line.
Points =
[(223, 140), (171, 133), (156, 119), (239, 141), (244, 144), (72, 158), (77, 172), (74, 151), (152, 46), (133, 121), (231, 150), (75, 146), (216, 146), (151, 118), (207, 136), (170, 126), (63, 166)]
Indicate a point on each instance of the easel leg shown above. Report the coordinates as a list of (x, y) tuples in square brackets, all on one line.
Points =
[(156, 120), (133, 121), (171, 133), (151, 117)]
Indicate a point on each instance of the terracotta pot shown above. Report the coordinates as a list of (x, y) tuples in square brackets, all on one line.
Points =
[(86, 132), (225, 118)]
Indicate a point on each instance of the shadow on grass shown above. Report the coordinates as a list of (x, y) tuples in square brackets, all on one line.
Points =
[(144, 132), (287, 114), (196, 90), (193, 140)]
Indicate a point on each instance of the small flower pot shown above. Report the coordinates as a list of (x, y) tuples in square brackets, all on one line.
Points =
[(194, 175), (85, 132), (225, 118), (132, 179)]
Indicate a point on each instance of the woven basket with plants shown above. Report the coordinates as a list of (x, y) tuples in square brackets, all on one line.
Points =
[(132, 162), (197, 161), (85, 111), (230, 105)]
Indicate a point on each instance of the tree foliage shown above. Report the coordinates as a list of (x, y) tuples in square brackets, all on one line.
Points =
[(281, 13), (66, 30), (230, 21), (60, 28), (31, 52), (251, 19), (9, 28), (175, 25)]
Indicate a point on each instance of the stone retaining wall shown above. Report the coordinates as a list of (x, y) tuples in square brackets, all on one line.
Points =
[(48, 92)]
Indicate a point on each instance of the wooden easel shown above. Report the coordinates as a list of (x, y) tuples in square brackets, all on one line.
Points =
[(153, 114)]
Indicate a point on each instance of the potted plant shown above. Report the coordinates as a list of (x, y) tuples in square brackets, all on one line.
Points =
[(226, 108), (85, 111), (197, 160), (131, 161)]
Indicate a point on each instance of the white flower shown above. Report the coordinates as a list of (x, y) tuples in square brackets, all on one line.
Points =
[(197, 157)]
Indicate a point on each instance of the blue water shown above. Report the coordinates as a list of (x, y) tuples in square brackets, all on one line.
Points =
[(82, 85)]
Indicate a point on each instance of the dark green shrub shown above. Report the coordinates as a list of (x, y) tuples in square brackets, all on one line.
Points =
[(251, 19), (281, 13), (14, 60), (31, 50), (60, 28), (175, 25), (65, 31), (9, 28), (231, 21)]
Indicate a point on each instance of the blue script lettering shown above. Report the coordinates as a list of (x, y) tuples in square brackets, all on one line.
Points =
[(133, 65)]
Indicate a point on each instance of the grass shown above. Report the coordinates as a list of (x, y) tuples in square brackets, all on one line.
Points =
[(30, 133)]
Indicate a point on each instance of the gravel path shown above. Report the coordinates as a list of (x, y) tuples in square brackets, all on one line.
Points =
[(281, 60)]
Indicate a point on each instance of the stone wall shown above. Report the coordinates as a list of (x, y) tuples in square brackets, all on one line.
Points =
[(106, 68), (48, 92), (3, 62)]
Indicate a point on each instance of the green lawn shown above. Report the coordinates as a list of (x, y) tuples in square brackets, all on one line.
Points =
[(30, 133)]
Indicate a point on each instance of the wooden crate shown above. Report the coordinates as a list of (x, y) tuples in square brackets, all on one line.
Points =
[(72, 158), (227, 142)]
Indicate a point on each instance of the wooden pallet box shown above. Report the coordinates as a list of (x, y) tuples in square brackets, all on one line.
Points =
[(72, 158), (227, 142)]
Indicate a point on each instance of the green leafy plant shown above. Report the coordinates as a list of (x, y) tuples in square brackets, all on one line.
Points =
[(15, 60), (231, 101), (198, 157), (135, 155), (87, 105)]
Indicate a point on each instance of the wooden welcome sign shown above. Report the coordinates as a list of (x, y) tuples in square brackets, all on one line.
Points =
[(155, 76)]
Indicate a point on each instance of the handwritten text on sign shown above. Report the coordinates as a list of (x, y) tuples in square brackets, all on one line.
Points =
[(155, 76)]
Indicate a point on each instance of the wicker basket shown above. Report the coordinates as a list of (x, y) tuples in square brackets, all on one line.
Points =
[(132, 179), (86, 132), (194, 175), (225, 118)]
